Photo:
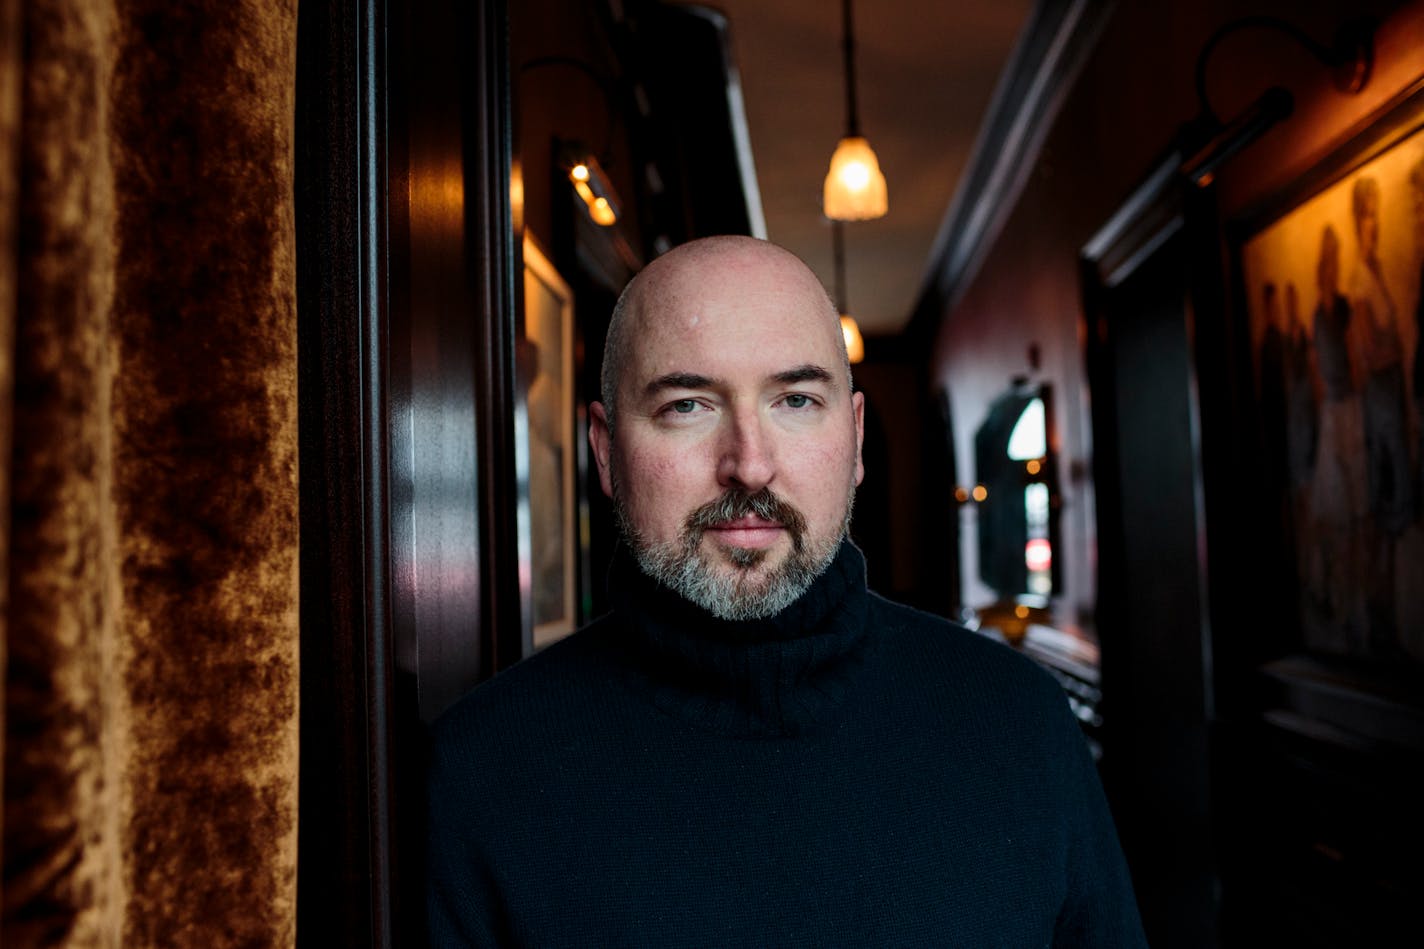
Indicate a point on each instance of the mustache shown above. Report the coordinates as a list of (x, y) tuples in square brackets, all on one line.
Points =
[(736, 503)]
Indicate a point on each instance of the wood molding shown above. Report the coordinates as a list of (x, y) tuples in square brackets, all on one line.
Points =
[(1050, 52), (344, 846)]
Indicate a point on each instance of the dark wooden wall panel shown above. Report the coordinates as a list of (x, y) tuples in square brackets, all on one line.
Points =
[(409, 561)]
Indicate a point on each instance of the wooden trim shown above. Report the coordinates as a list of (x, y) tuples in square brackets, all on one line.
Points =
[(405, 327), (344, 831), (493, 261), (1053, 47)]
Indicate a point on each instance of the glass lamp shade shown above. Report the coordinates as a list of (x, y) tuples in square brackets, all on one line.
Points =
[(855, 345), (855, 188)]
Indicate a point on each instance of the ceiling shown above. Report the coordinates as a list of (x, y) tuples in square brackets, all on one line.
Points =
[(925, 74)]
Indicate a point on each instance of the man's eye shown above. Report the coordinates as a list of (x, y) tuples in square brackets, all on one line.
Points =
[(684, 406), (797, 401)]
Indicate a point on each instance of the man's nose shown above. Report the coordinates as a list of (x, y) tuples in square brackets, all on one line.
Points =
[(747, 458)]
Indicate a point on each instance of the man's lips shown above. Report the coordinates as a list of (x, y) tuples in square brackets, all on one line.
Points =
[(750, 532)]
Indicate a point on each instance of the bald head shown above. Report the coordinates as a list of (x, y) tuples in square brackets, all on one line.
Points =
[(737, 449), (679, 284)]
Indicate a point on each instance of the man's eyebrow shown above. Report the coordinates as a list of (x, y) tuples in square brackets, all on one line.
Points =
[(679, 380), (806, 373)]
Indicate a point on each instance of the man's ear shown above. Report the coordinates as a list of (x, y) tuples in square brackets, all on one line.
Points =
[(857, 400), (600, 439)]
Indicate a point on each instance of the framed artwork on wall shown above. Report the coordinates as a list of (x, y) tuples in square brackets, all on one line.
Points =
[(1332, 283), (1325, 743), (548, 351)]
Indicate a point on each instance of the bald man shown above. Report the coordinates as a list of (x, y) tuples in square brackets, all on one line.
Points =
[(751, 749)]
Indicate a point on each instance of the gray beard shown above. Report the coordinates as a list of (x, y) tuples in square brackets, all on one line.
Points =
[(684, 567)]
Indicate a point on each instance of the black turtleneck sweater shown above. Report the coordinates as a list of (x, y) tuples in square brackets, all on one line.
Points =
[(848, 773)]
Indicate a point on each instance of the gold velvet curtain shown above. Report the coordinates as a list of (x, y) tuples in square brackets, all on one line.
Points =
[(148, 483)]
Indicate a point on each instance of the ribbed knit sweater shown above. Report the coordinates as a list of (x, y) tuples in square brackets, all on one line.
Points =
[(850, 772)]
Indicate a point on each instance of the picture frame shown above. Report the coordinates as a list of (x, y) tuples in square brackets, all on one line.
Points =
[(547, 351), (1330, 281)]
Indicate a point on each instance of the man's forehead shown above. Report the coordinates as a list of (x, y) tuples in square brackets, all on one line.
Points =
[(703, 335), (692, 300), (727, 308)]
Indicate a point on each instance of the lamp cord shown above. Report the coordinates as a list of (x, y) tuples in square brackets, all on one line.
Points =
[(848, 46), (838, 255)]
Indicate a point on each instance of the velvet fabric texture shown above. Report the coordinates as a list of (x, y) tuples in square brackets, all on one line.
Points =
[(150, 739)]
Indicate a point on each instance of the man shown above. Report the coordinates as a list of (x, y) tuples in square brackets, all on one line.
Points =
[(751, 749)]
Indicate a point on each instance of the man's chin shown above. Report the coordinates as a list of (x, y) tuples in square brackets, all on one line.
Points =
[(733, 582), (740, 562)]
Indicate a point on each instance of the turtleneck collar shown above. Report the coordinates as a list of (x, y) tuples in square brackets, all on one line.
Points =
[(771, 677)]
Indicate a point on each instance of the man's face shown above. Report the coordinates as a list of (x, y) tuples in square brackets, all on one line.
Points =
[(737, 446)]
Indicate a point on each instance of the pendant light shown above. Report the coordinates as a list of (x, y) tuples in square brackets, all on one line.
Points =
[(854, 188)]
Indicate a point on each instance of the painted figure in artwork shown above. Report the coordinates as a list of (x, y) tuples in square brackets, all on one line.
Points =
[(1338, 497), (1383, 401), (1383, 357)]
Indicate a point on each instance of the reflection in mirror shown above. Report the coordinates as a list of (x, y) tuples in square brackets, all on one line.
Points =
[(1017, 497)]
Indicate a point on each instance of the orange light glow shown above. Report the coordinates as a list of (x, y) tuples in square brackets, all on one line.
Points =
[(854, 342), (854, 189), (980, 492), (602, 212), (593, 189)]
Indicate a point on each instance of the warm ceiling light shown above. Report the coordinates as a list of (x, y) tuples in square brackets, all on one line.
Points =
[(855, 188), (855, 345), (579, 172)]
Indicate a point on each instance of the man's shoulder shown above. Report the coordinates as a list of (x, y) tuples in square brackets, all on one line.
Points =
[(914, 626), (958, 656), (575, 671)]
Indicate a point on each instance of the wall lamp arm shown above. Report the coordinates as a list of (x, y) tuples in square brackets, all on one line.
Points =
[(1350, 58)]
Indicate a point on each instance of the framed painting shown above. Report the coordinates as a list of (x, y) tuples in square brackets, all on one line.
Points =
[(548, 353), (1331, 274)]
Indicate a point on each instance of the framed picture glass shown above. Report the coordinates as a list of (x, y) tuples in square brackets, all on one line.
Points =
[(548, 321), (1332, 284)]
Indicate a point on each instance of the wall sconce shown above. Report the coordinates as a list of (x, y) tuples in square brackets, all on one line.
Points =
[(1214, 142), (854, 189), (593, 187), (578, 161), (1350, 58)]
